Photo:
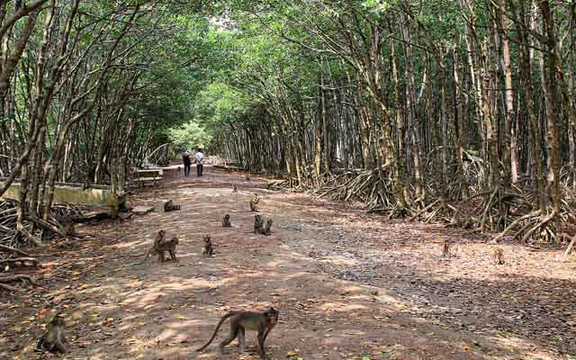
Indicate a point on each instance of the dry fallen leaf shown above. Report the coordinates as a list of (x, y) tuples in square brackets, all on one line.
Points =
[(293, 353)]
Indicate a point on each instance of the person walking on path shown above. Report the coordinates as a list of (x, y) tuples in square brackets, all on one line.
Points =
[(187, 162), (198, 159)]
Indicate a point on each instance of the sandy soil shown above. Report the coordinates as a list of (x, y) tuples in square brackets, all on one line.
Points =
[(348, 285)]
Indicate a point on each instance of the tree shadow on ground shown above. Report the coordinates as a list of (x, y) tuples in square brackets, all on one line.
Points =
[(412, 305)]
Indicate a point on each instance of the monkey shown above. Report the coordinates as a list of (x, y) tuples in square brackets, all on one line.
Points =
[(53, 340), (208, 250), (260, 228), (446, 249), (169, 206), (235, 189), (157, 241), (169, 246), (258, 223), (498, 256), (240, 321), (248, 177), (254, 203), (226, 221), (69, 229), (266, 229)]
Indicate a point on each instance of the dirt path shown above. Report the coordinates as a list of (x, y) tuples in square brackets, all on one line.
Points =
[(348, 285)]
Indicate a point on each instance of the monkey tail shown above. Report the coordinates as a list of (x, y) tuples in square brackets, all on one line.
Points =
[(40, 344), (229, 314), (146, 257)]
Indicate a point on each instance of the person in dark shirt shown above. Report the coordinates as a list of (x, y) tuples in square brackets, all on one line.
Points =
[(187, 160)]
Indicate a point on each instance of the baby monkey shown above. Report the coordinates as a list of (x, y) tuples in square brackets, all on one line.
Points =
[(208, 250), (254, 203), (154, 249), (169, 206), (53, 340), (240, 321), (498, 256), (226, 221), (160, 246)]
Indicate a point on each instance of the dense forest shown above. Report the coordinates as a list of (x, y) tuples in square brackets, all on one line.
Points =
[(457, 111), (384, 179)]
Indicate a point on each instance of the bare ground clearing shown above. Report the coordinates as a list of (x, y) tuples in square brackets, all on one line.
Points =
[(347, 284)]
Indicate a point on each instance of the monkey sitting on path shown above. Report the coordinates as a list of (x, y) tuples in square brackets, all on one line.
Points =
[(254, 203), (226, 221), (262, 225), (498, 256), (266, 229), (258, 223), (53, 340), (235, 189), (240, 321), (207, 250), (169, 206)]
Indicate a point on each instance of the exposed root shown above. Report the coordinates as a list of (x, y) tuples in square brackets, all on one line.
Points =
[(570, 246), (9, 288), (424, 210), (513, 224), (15, 278), (546, 228), (4, 248), (23, 233), (399, 213), (510, 211), (21, 261), (47, 225)]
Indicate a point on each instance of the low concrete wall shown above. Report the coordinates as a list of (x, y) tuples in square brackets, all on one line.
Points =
[(149, 173), (66, 194)]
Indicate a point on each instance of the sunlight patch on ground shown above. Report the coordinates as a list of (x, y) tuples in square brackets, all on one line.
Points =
[(519, 345), (340, 307)]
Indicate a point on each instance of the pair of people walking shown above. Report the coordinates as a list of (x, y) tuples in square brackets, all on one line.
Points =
[(187, 159)]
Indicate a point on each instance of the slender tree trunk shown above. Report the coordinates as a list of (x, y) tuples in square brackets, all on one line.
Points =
[(459, 130), (550, 79), (510, 153)]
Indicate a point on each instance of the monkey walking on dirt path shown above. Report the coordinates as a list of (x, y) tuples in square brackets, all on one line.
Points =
[(240, 321)]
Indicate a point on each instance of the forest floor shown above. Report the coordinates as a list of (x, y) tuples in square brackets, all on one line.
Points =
[(348, 285)]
